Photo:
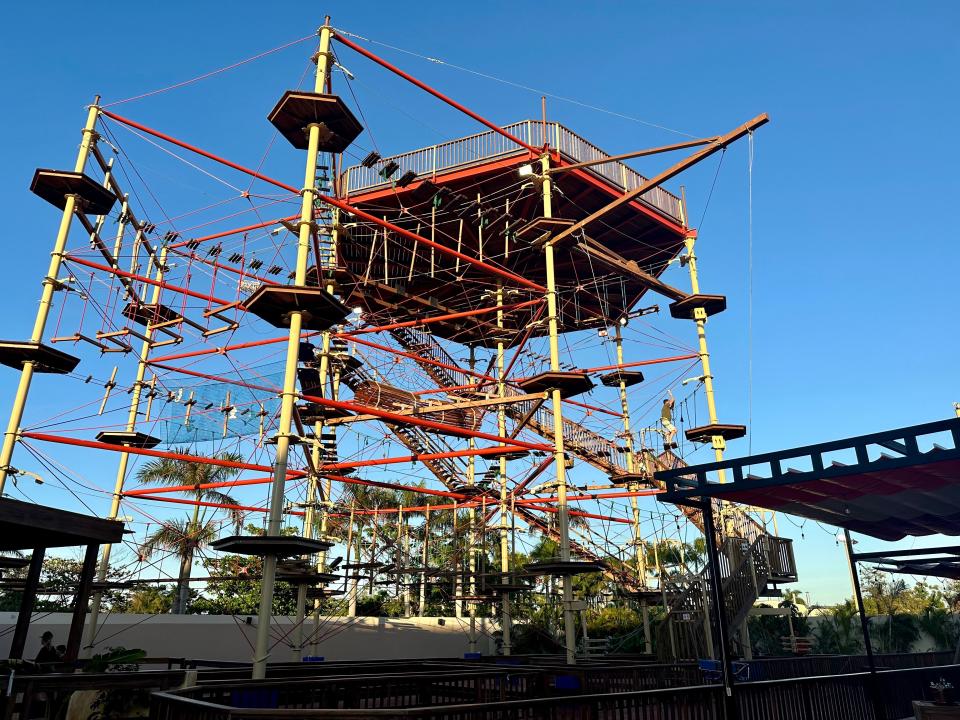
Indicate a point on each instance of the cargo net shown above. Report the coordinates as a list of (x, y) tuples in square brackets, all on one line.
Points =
[(209, 410)]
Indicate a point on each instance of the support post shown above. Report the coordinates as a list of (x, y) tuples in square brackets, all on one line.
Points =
[(27, 602), (563, 511), (472, 535), (46, 297), (874, 687), (506, 619), (80, 603), (305, 228), (700, 318), (134, 412), (720, 612)]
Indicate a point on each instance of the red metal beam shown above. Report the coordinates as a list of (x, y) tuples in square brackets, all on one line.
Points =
[(144, 279), (486, 267), (441, 318), (655, 361), (155, 453), (436, 93), (235, 231)]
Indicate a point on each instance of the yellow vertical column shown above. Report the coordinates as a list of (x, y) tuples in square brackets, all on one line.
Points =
[(700, 318), (506, 620), (306, 224), (472, 535), (135, 397), (46, 297), (569, 622)]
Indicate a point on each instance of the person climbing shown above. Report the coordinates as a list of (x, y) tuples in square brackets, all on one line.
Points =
[(666, 420)]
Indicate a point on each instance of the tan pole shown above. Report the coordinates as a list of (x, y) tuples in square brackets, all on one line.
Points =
[(506, 621), (46, 297), (472, 535), (305, 228), (563, 512), (700, 317), (125, 457)]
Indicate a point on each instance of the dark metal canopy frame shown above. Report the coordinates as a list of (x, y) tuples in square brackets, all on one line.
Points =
[(887, 485), (25, 526)]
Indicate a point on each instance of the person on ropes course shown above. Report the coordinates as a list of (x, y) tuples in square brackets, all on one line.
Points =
[(666, 420)]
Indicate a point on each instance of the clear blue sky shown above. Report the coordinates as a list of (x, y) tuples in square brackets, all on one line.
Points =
[(854, 262)]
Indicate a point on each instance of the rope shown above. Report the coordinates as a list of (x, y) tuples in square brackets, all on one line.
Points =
[(206, 75)]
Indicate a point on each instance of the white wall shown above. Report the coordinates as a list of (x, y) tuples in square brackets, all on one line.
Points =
[(221, 637)]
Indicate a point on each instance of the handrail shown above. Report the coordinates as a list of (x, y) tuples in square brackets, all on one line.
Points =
[(481, 147)]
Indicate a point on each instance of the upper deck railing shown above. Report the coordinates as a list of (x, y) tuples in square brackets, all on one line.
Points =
[(482, 147)]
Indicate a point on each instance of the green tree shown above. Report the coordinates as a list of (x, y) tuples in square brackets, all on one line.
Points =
[(234, 585), (151, 600), (839, 632), (184, 537)]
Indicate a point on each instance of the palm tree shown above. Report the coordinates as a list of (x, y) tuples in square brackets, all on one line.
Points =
[(185, 537)]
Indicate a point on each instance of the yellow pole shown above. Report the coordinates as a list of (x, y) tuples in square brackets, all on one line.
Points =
[(506, 621), (700, 318), (624, 406), (472, 535), (563, 512), (124, 456), (46, 297), (306, 224)]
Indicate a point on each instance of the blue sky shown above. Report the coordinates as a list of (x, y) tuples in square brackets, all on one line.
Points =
[(854, 264)]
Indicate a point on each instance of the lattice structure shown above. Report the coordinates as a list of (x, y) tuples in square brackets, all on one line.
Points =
[(452, 328)]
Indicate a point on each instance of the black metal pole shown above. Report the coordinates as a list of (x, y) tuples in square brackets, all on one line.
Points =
[(720, 611), (27, 601), (80, 603), (858, 596), (864, 625)]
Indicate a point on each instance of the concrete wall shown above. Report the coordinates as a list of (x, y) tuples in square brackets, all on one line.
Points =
[(222, 637)]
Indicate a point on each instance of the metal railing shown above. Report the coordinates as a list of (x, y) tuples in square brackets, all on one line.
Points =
[(483, 147), (855, 696)]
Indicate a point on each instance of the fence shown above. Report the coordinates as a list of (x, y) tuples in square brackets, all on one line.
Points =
[(838, 697)]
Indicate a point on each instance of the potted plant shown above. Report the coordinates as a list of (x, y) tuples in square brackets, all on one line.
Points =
[(942, 692)]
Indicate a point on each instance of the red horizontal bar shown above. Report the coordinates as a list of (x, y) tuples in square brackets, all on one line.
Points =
[(148, 281), (441, 318), (655, 361), (436, 93), (156, 453)]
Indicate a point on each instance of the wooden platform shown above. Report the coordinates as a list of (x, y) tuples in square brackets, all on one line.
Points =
[(55, 185), (46, 359), (280, 545), (128, 439), (710, 304), (705, 432), (568, 383), (274, 303), (297, 110)]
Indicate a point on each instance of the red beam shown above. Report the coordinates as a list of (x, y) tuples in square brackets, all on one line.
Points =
[(148, 281), (655, 361), (441, 318), (236, 231), (155, 453), (436, 93), (339, 204), (198, 151), (417, 358), (446, 455)]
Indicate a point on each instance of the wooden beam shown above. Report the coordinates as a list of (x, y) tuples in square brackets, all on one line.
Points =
[(629, 267), (635, 154), (526, 418), (722, 142)]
